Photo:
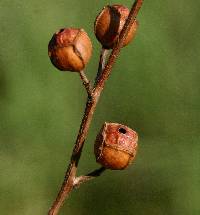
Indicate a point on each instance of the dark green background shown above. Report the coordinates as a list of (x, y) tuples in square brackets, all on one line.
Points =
[(154, 88)]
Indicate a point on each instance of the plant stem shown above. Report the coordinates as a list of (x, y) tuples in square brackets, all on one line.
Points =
[(70, 176), (86, 82), (102, 63), (84, 178), (68, 182)]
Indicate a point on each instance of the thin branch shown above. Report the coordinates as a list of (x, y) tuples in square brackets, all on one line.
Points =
[(102, 63), (70, 174), (86, 82), (68, 183), (84, 178)]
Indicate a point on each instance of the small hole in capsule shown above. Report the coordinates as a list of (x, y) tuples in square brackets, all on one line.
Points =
[(122, 130)]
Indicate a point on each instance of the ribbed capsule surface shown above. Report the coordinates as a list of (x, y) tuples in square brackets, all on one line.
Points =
[(70, 49), (115, 146), (109, 23)]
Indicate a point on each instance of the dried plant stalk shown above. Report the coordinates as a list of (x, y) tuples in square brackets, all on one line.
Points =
[(70, 180)]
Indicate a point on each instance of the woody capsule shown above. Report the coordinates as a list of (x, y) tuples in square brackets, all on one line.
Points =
[(109, 24), (115, 146), (70, 49)]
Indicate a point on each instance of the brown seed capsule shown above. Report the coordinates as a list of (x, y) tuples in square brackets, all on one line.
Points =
[(109, 24), (115, 146), (70, 49)]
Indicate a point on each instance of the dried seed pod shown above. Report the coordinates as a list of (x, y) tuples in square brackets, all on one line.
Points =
[(109, 24), (115, 146), (70, 49)]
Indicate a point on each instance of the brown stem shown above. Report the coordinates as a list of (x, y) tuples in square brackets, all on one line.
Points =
[(86, 82), (84, 178), (92, 100), (102, 63), (68, 182)]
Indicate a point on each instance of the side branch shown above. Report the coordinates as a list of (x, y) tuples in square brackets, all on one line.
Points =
[(84, 178), (102, 63), (86, 82)]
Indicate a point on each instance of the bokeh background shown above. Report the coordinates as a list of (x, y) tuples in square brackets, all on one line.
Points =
[(154, 88)]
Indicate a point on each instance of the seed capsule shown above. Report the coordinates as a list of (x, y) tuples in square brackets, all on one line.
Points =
[(115, 146), (70, 49), (109, 24)]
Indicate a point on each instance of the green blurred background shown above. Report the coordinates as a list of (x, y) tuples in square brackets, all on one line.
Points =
[(154, 88)]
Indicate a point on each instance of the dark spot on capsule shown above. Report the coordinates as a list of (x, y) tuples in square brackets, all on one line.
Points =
[(122, 130)]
